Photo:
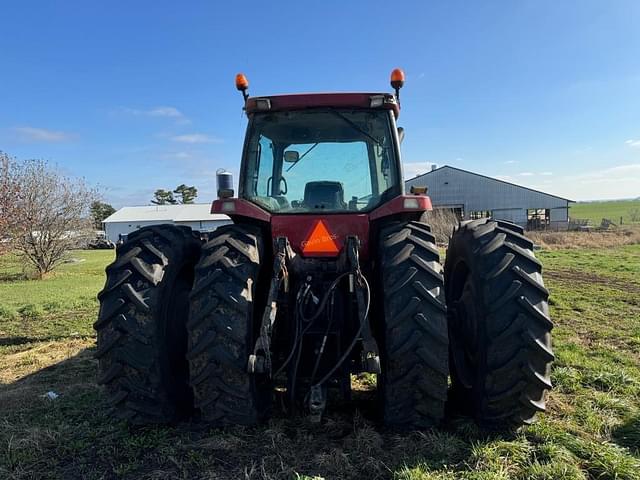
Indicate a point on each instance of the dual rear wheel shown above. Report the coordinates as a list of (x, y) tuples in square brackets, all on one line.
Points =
[(176, 326), (492, 336), (499, 325)]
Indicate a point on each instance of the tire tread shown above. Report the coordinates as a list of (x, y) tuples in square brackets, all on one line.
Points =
[(516, 343), (415, 343), (129, 337)]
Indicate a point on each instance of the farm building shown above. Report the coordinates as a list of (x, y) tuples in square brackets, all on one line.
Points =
[(198, 216), (472, 195)]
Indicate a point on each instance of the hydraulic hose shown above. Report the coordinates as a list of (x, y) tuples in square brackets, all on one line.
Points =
[(310, 320), (296, 333), (300, 331), (324, 340), (324, 300), (355, 338)]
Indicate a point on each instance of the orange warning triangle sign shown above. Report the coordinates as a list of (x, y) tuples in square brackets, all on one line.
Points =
[(320, 240)]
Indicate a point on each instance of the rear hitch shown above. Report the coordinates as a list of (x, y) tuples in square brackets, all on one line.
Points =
[(317, 402), (260, 360), (356, 299), (370, 352)]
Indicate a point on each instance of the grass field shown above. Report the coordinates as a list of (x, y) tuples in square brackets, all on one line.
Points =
[(613, 210), (591, 431), (60, 306)]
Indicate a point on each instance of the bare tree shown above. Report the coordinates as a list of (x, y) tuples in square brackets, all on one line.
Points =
[(53, 215), (9, 198)]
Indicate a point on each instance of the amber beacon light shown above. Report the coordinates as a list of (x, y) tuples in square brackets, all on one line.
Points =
[(242, 84), (397, 81)]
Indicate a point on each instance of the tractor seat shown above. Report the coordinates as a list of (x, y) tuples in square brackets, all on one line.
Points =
[(324, 195)]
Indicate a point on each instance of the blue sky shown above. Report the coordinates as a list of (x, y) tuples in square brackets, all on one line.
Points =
[(139, 95)]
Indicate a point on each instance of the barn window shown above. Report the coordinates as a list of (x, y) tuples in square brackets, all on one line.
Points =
[(538, 218), (474, 215)]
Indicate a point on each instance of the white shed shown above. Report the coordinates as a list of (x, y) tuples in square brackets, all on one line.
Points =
[(198, 216)]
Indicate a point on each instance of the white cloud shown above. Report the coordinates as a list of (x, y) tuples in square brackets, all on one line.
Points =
[(629, 168), (615, 182), (530, 177), (171, 112), (511, 162), (413, 169), (633, 143), (177, 155), (32, 134), (158, 112), (195, 138), (582, 151), (535, 174), (621, 172), (504, 178)]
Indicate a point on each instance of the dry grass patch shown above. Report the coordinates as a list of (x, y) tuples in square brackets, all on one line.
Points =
[(32, 358), (599, 239)]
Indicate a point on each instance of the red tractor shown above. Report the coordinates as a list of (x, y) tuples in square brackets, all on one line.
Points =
[(329, 269)]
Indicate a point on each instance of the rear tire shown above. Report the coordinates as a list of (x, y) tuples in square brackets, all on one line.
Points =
[(499, 325), (221, 329), (142, 338), (413, 383)]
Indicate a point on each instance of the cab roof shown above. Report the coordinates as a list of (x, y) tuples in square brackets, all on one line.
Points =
[(302, 101)]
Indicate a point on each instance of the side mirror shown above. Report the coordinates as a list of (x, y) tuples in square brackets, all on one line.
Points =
[(291, 156), (400, 134)]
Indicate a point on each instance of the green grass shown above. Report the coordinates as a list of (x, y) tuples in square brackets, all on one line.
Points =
[(613, 210), (591, 429), (622, 263), (60, 305)]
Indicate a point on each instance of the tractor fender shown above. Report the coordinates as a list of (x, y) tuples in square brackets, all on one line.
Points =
[(402, 204)]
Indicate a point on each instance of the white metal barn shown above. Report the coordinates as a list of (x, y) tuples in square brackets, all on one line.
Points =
[(198, 216), (473, 195)]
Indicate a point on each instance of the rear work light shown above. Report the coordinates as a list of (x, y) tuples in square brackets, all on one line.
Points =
[(380, 100), (263, 104), (411, 203), (377, 101), (228, 207)]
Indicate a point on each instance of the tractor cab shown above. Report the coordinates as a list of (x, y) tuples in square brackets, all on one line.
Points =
[(330, 157), (320, 160)]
